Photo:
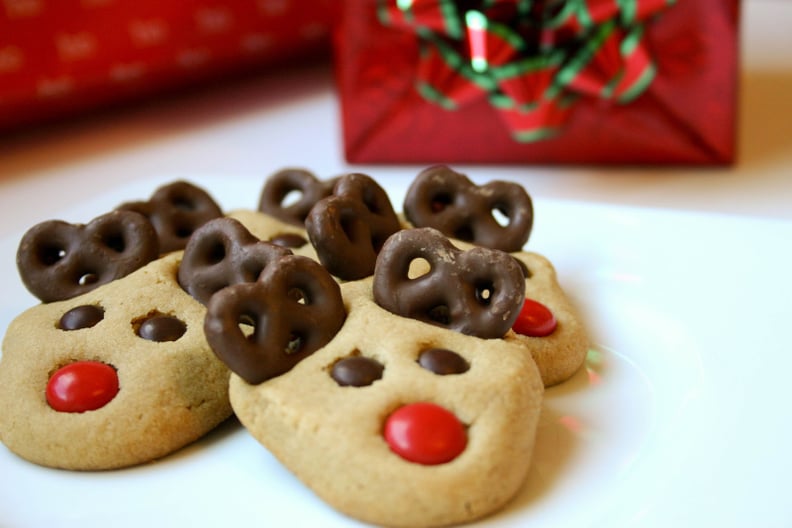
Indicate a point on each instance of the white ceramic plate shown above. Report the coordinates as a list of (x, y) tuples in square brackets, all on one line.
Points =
[(679, 418)]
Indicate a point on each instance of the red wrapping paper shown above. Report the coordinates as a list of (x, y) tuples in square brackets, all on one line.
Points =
[(61, 57), (687, 115)]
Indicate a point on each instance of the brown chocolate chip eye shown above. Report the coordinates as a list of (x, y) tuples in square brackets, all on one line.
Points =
[(288, 240), (442, 361), (85, 316), (161, 328), (356, 371)]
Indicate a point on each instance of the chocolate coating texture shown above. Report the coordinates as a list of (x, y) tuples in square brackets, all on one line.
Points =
[(57, 260), (176, 210), (223, 252), (349, 228), (448, 201), (287, 181), (295, 308), (477, 292)]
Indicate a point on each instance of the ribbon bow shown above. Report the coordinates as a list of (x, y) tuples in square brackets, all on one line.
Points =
[(532, 59)]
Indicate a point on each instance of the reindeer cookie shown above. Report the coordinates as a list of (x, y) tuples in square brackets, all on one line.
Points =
[(114, 369), (547, 326), (115, 377), (390, 419)]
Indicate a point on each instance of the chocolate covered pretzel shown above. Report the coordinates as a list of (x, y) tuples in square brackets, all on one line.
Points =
[(448, 201), (58, 260), (348, 228), (176, 210), (287, 181), (477, 292), (223, 252), (295, 308)]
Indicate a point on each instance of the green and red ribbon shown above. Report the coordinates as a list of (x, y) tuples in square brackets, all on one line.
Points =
[(532, 59)]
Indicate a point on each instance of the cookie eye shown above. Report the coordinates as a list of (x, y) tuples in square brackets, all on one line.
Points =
[(159, 327), (442, 361), (356, 371), (84, 316)]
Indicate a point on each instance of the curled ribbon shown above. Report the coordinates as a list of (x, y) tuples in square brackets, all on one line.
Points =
[(532, 59)]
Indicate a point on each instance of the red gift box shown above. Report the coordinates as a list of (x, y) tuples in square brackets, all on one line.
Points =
[(59, 57), (539, 81)]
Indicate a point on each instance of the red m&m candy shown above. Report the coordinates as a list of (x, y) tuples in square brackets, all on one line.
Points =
[(535, 320), (425, 433), (82, 386)]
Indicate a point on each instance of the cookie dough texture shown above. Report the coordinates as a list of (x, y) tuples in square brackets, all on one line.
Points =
[(171, 393), (331, 436)]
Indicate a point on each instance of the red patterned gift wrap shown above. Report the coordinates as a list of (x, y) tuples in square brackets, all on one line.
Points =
[(539, 81), (61, 57)]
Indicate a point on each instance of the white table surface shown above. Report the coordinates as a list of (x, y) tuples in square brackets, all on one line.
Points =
[(243, 131)]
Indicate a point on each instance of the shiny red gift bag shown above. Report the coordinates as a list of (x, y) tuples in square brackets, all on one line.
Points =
[(539, 81), (61, 57)]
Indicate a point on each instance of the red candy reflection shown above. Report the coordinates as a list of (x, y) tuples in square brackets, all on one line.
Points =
[(535, 320), (425, 433), (82, 386)]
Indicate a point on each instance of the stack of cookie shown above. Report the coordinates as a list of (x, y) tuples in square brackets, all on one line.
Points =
[(396, 365)]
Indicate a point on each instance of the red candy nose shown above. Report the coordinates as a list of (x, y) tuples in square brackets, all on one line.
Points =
[(425, 433), (535, 320), (82, 386)]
